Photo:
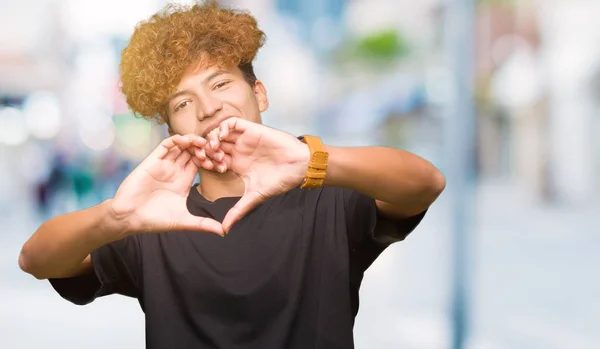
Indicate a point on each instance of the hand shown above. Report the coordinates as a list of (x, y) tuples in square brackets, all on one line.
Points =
[(269, 161), (153, 197)]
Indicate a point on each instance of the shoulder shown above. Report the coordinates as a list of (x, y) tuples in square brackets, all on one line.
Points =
[(331, 201), (312, 197)]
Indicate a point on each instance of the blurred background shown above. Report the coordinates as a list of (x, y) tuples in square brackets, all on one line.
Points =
[(502, 95)]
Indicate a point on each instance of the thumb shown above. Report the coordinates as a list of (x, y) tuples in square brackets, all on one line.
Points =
[(241, 208), (195, 223)]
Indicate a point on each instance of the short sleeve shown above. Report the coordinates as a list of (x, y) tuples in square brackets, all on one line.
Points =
[(116, 270), (369, 233)]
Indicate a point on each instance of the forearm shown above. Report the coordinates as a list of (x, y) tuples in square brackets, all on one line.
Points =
[(61, 244), (401, 179)]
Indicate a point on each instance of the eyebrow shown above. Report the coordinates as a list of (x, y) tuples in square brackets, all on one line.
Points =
[(205, 81)]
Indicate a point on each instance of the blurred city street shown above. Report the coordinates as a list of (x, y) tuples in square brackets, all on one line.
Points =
[(500, 95), (534, 275)]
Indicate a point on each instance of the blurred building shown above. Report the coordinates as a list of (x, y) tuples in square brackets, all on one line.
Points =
[(357, 72)]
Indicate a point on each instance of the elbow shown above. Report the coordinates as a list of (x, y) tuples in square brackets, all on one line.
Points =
[(434, 188), (438, 184), (26, 264)]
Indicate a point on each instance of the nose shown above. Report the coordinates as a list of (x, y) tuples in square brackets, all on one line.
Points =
[(209, 106)]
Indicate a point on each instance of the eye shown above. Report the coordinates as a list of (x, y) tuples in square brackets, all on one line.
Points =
[(221, 85), (181, 105)]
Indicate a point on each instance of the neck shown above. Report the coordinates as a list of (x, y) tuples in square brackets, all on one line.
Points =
[(215, 185)]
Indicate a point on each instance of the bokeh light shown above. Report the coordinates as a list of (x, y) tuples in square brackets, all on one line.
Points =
[(43, 115), (100, 138), (13, 129), (356, 73)]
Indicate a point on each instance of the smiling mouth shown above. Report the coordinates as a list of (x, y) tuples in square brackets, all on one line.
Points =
[(215, 125)]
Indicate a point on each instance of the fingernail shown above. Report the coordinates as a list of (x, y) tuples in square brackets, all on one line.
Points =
[(213, 144)]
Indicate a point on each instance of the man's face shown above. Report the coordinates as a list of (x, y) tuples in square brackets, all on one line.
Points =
[(207, 96)]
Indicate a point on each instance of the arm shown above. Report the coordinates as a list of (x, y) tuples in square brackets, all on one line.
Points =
[(61, 246), (402, 184), (271, 162)]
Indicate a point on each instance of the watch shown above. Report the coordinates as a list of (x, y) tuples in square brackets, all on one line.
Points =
[(317, 163)]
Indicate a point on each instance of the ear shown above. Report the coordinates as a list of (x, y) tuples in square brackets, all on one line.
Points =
[(171, 133), (260, 92), (166, 122)]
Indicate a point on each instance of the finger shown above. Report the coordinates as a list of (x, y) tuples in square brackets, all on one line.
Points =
[(195, 157), (227, 160), (227, 147), (207, 164), (213, 139), (174, 153), (210, 152), (204, 161), (217, 156), (217, 161), (196, 153), (195, 223), (193, 165), (237, 124), (221, 167), (181, 144), (183, 158), (198, 141), (223, 130), (240, 209), (231, 137), (165, 146), (224, 164), (200, 153)]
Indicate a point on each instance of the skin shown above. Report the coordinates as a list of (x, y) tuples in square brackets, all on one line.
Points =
[(216, 128)]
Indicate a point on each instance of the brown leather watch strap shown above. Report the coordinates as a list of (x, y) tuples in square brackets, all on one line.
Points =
[(317, 164)]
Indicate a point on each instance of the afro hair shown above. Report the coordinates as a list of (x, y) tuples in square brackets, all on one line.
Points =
[(164, 46)]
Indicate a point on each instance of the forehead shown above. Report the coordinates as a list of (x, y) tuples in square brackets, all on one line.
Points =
[(203, 73)]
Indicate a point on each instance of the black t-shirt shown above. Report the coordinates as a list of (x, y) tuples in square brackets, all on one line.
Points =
[(286, 276)]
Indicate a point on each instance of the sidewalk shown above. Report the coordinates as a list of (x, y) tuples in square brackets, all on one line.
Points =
[(534, 283), (534, 286)]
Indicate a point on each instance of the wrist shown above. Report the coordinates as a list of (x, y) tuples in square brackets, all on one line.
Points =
[(302, 160), (340, 173), (113, 226), (316, 166)]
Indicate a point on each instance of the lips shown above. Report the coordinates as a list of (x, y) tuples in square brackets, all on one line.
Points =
[(215, 124)]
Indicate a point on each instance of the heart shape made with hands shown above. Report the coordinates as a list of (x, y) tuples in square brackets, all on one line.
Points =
[(269, 161), (153, 197)]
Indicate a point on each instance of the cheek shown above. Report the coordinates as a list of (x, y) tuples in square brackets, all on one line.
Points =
[(242, 96), (250, 103), (183, 124)]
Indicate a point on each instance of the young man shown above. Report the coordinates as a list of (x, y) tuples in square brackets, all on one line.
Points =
[(296, 223)]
